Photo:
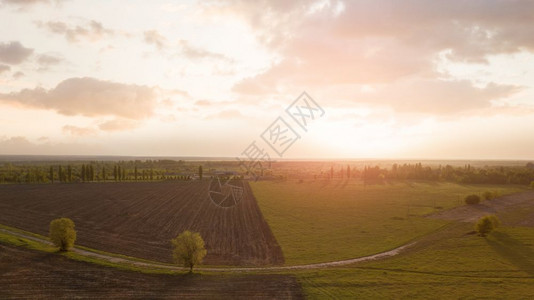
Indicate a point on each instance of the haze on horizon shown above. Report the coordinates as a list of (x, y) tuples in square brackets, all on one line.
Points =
[(396, 79)]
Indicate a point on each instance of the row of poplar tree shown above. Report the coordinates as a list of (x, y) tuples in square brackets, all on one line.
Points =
[(87, 173)]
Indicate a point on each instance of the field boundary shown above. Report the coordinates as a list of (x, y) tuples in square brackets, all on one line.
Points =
[(118, 259)]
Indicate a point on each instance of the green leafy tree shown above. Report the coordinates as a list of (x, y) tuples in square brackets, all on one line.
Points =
[(487, 224), (83, 173), (135, 173), (200, 172), (62, 233), (189, 249), (69, 173), (52, 174), (61, 174)]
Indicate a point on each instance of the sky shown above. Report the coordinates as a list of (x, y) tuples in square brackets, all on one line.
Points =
[(382, 79)]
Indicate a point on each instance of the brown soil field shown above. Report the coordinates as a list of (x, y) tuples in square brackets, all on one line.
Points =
[(140, 218), (28, 274)]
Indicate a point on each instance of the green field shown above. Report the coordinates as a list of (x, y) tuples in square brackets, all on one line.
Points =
[(324, 221), (450, 264), (319, 221)]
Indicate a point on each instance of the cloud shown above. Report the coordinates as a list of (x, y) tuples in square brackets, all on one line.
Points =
[(18, 75), (14, 53), (333, 44), (152, 37), (203, 103), (90, 97), (92, 31), (229, 114), (26, 2), (48, 60), (437, 97), (4, 68), (118, 124), (192, 52), (78, 131), (18, 145), (14, 142), (24, 5)]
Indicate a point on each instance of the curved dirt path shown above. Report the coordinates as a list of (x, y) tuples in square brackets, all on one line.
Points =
[(471, 213), (121, 260)]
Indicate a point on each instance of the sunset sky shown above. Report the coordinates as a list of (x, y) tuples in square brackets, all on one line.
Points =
[(396, 79)]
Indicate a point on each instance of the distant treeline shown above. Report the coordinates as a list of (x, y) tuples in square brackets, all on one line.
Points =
[(135, 170), (417, 171), (465, 174), (151, 170)]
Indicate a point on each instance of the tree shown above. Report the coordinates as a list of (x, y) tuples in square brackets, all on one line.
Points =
[(188, 249), (135, 173), (60, 174), (200, 172), (69, 173), (62, 233), (487, 224), (83, 173), (472, 199), (52, 174)]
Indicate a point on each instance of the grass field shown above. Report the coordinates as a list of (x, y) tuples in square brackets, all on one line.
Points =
[(318, 221), (449, 264)]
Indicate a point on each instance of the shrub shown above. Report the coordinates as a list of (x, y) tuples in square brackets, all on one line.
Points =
[(472, 199), (189, 249), (487, 224), (487, 195), (62, 233)]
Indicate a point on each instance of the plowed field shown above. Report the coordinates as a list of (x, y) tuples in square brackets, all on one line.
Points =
[(27, 274), (140, 218)]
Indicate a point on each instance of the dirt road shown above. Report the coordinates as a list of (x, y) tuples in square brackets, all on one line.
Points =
[(120, 260), (471, 213)]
